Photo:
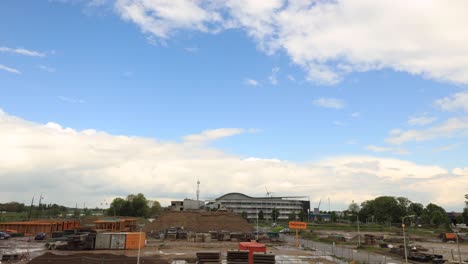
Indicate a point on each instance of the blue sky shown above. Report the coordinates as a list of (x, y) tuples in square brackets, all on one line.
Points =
[(295, 96)]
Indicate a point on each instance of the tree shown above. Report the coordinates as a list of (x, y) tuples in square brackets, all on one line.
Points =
[(139, 205), (292, 216), (133, 205), (460, 219), (333, 217), (244, 214), (466, 200), (435, 215), (116, 207), (302, 215), (465, 215), (353, 207), (416, 209), (155, 208), (260, 215), (274, 214)]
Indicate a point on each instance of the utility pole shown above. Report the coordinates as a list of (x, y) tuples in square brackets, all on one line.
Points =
[(458, 246), (404, 236), (257, 223), (40, 209), (30, 208), (198, 189)]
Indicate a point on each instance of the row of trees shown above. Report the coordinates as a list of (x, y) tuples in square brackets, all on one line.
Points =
[(134, 205), (389, 209)]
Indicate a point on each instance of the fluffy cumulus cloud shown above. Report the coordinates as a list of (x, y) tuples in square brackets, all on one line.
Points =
[(421, 120), (458, 101), (398, 151), (452, 127), (214, 134), (89, 166), (329, 39)]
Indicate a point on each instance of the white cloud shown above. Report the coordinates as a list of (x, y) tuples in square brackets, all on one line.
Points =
[(161, 17), (291, 78), (398, 151), (452, 127), (458, 101), (215, 134), (252, 82), (272, 78), (65, 163), (355, 114), (378, 149), (421, 120), (9, 69), (446, 147), (329, 103), (328, 39), (47, 68), (21, 51)]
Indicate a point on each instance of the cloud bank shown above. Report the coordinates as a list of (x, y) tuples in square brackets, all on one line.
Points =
[(89, 166), (328, 39)]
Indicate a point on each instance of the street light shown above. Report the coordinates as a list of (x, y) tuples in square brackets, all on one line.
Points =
[(404, 236), (139, 242), (358, 231), (458, 246)]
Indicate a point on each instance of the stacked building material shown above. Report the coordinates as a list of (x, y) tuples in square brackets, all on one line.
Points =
[(191, 237), (237, 236), (224, 236), (208, 257), (238, 257), (214, 235), (182, 234), (262, 258), (199, 237), (206, 237)]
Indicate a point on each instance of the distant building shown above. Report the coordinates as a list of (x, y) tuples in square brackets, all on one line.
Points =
[(320, 217), (186, 205), (239, 203)]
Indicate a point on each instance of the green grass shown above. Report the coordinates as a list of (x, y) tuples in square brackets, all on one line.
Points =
[(13, 217)]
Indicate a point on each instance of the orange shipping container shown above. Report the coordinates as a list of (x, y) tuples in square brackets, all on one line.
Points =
[(133, 240), (450, 236)]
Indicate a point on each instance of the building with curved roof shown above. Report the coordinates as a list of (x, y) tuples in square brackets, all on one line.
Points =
[(239, 203)]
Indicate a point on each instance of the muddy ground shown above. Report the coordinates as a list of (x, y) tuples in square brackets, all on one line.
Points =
[(433, 244), (156, 252)]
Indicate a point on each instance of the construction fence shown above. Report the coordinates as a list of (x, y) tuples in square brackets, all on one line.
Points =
[(341, 254)]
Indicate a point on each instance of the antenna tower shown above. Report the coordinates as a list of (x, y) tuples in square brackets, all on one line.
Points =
[(198, 189)]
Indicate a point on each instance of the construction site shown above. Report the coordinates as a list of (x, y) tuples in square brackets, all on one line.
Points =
[(213, 237), (174, 237)]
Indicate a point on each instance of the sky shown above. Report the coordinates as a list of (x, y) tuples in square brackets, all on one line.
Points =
[(339, 100)]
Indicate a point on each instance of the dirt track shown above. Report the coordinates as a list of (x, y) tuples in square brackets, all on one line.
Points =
[(89, 258)]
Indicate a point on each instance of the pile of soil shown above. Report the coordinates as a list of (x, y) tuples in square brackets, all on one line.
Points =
[(200, 222), (90, 258)]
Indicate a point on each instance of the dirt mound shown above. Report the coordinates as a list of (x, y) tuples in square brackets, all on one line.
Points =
[(90, 258), (200, 221)]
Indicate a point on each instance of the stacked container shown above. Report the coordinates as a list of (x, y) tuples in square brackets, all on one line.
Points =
[(135, 240), (120, 240)]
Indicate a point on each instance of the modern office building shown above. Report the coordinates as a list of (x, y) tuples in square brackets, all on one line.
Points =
[(239, 203)]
